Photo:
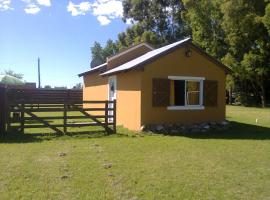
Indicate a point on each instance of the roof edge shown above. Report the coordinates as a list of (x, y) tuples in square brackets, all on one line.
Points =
[(130, 49), (188, 41), (95, 69)]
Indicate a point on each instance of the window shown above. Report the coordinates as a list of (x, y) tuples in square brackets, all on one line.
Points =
[(186, 93), (192, 93)]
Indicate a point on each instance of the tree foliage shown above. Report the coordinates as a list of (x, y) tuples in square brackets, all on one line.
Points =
[(234, 31), (12, 73), (157, 22)]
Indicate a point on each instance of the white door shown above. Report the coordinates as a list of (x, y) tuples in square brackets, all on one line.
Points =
[(112, 88), (112, 94)]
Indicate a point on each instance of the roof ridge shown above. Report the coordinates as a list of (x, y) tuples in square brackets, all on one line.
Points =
[(144, 57)]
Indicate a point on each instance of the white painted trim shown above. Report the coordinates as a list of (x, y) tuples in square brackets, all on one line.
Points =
[(115, 80), (186, 78), (185, 108), (131, 49), (190, 78), (201, 92), (185, 92)]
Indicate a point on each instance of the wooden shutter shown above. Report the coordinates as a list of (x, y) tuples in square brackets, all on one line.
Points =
[(161, 92), (210, 93)]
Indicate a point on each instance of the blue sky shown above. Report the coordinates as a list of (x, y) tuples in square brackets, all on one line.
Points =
[(60, 32)]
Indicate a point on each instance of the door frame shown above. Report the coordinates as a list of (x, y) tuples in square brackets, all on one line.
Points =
[(114, 80), (110, 80)]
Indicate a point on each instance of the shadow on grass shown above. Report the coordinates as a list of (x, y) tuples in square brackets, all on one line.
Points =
[(235, 131), (17, 137)]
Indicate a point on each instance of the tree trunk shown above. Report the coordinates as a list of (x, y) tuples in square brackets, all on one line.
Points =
[(230, 96), (262, 95)]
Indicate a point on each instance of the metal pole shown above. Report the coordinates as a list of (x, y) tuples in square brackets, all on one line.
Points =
[(39, 86)]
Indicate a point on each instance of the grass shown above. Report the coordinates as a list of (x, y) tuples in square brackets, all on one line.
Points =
[(231, 164)]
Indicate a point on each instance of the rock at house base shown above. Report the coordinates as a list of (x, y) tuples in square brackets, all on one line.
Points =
[(185, 128)]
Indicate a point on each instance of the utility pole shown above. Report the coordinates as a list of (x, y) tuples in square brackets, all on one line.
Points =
[(39, 86)]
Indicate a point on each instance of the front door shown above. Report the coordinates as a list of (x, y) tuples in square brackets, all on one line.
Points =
[(112, 94), (112, 88)]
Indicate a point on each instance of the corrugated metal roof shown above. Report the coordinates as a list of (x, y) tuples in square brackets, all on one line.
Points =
[(144, 58), (93, 69)]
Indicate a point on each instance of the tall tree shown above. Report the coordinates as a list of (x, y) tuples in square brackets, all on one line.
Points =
[(204, 18), (163, 17), (248, 42), (110, 49), (12, 73), (266, 18), (234, 32), (97, 55)]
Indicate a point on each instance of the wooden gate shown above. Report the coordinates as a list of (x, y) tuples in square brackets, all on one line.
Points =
[(38, 106)]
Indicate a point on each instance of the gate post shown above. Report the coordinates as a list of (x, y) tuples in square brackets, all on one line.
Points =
[(2, 109), (114, 115)]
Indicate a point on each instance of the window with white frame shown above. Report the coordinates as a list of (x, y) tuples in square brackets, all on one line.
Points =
[(186, 92)]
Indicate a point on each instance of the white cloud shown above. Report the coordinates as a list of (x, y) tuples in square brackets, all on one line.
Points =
[(32, 9), (103, 20), (44, 2), (111, 8), (5, 5), (33, 6), (129, 22), (79, 9), (104, 10)]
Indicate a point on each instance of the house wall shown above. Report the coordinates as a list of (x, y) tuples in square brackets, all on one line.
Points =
[(129, 99), (95, 89), (177, 64), (128, 96)]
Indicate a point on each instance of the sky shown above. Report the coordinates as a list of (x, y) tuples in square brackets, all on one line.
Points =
[(60, 32)]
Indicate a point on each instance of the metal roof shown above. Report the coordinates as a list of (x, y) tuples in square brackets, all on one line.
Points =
[(93, 69), (146, 57)]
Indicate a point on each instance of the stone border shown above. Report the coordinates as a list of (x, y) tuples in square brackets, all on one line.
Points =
[(183, 128)]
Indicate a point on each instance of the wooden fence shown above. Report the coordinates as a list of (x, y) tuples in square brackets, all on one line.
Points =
[(29, 105)]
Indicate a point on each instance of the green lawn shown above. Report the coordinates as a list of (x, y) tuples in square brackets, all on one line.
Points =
[(232, 164)]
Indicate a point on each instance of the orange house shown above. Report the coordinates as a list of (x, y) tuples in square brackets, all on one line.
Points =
[(178, 83)]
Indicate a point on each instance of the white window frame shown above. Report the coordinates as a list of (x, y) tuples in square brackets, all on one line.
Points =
[(114, 79), (189, 107)]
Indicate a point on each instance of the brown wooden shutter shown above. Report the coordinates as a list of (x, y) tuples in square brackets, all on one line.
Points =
[(210, 93), (161, 92)]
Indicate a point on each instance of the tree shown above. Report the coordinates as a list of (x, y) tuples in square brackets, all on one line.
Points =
[(78, 86), (97, 54), (157, 22), (136, 34), (234, 31), (162, 17), (205, 18), (266, 18), (110, 49), (12, 73), (248, 43)]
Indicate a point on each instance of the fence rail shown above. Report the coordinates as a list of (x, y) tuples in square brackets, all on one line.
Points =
[(23, 105)]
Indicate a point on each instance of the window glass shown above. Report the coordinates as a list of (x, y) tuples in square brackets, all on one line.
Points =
[(192, 93), (179, 93)]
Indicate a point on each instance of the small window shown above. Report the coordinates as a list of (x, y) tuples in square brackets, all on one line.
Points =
[(179, 93), (186, 93), (192, 93)]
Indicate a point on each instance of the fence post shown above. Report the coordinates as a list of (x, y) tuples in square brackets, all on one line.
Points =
[(106, 113), (114, 115), (65, 118), (2, 109), (22, 118)]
